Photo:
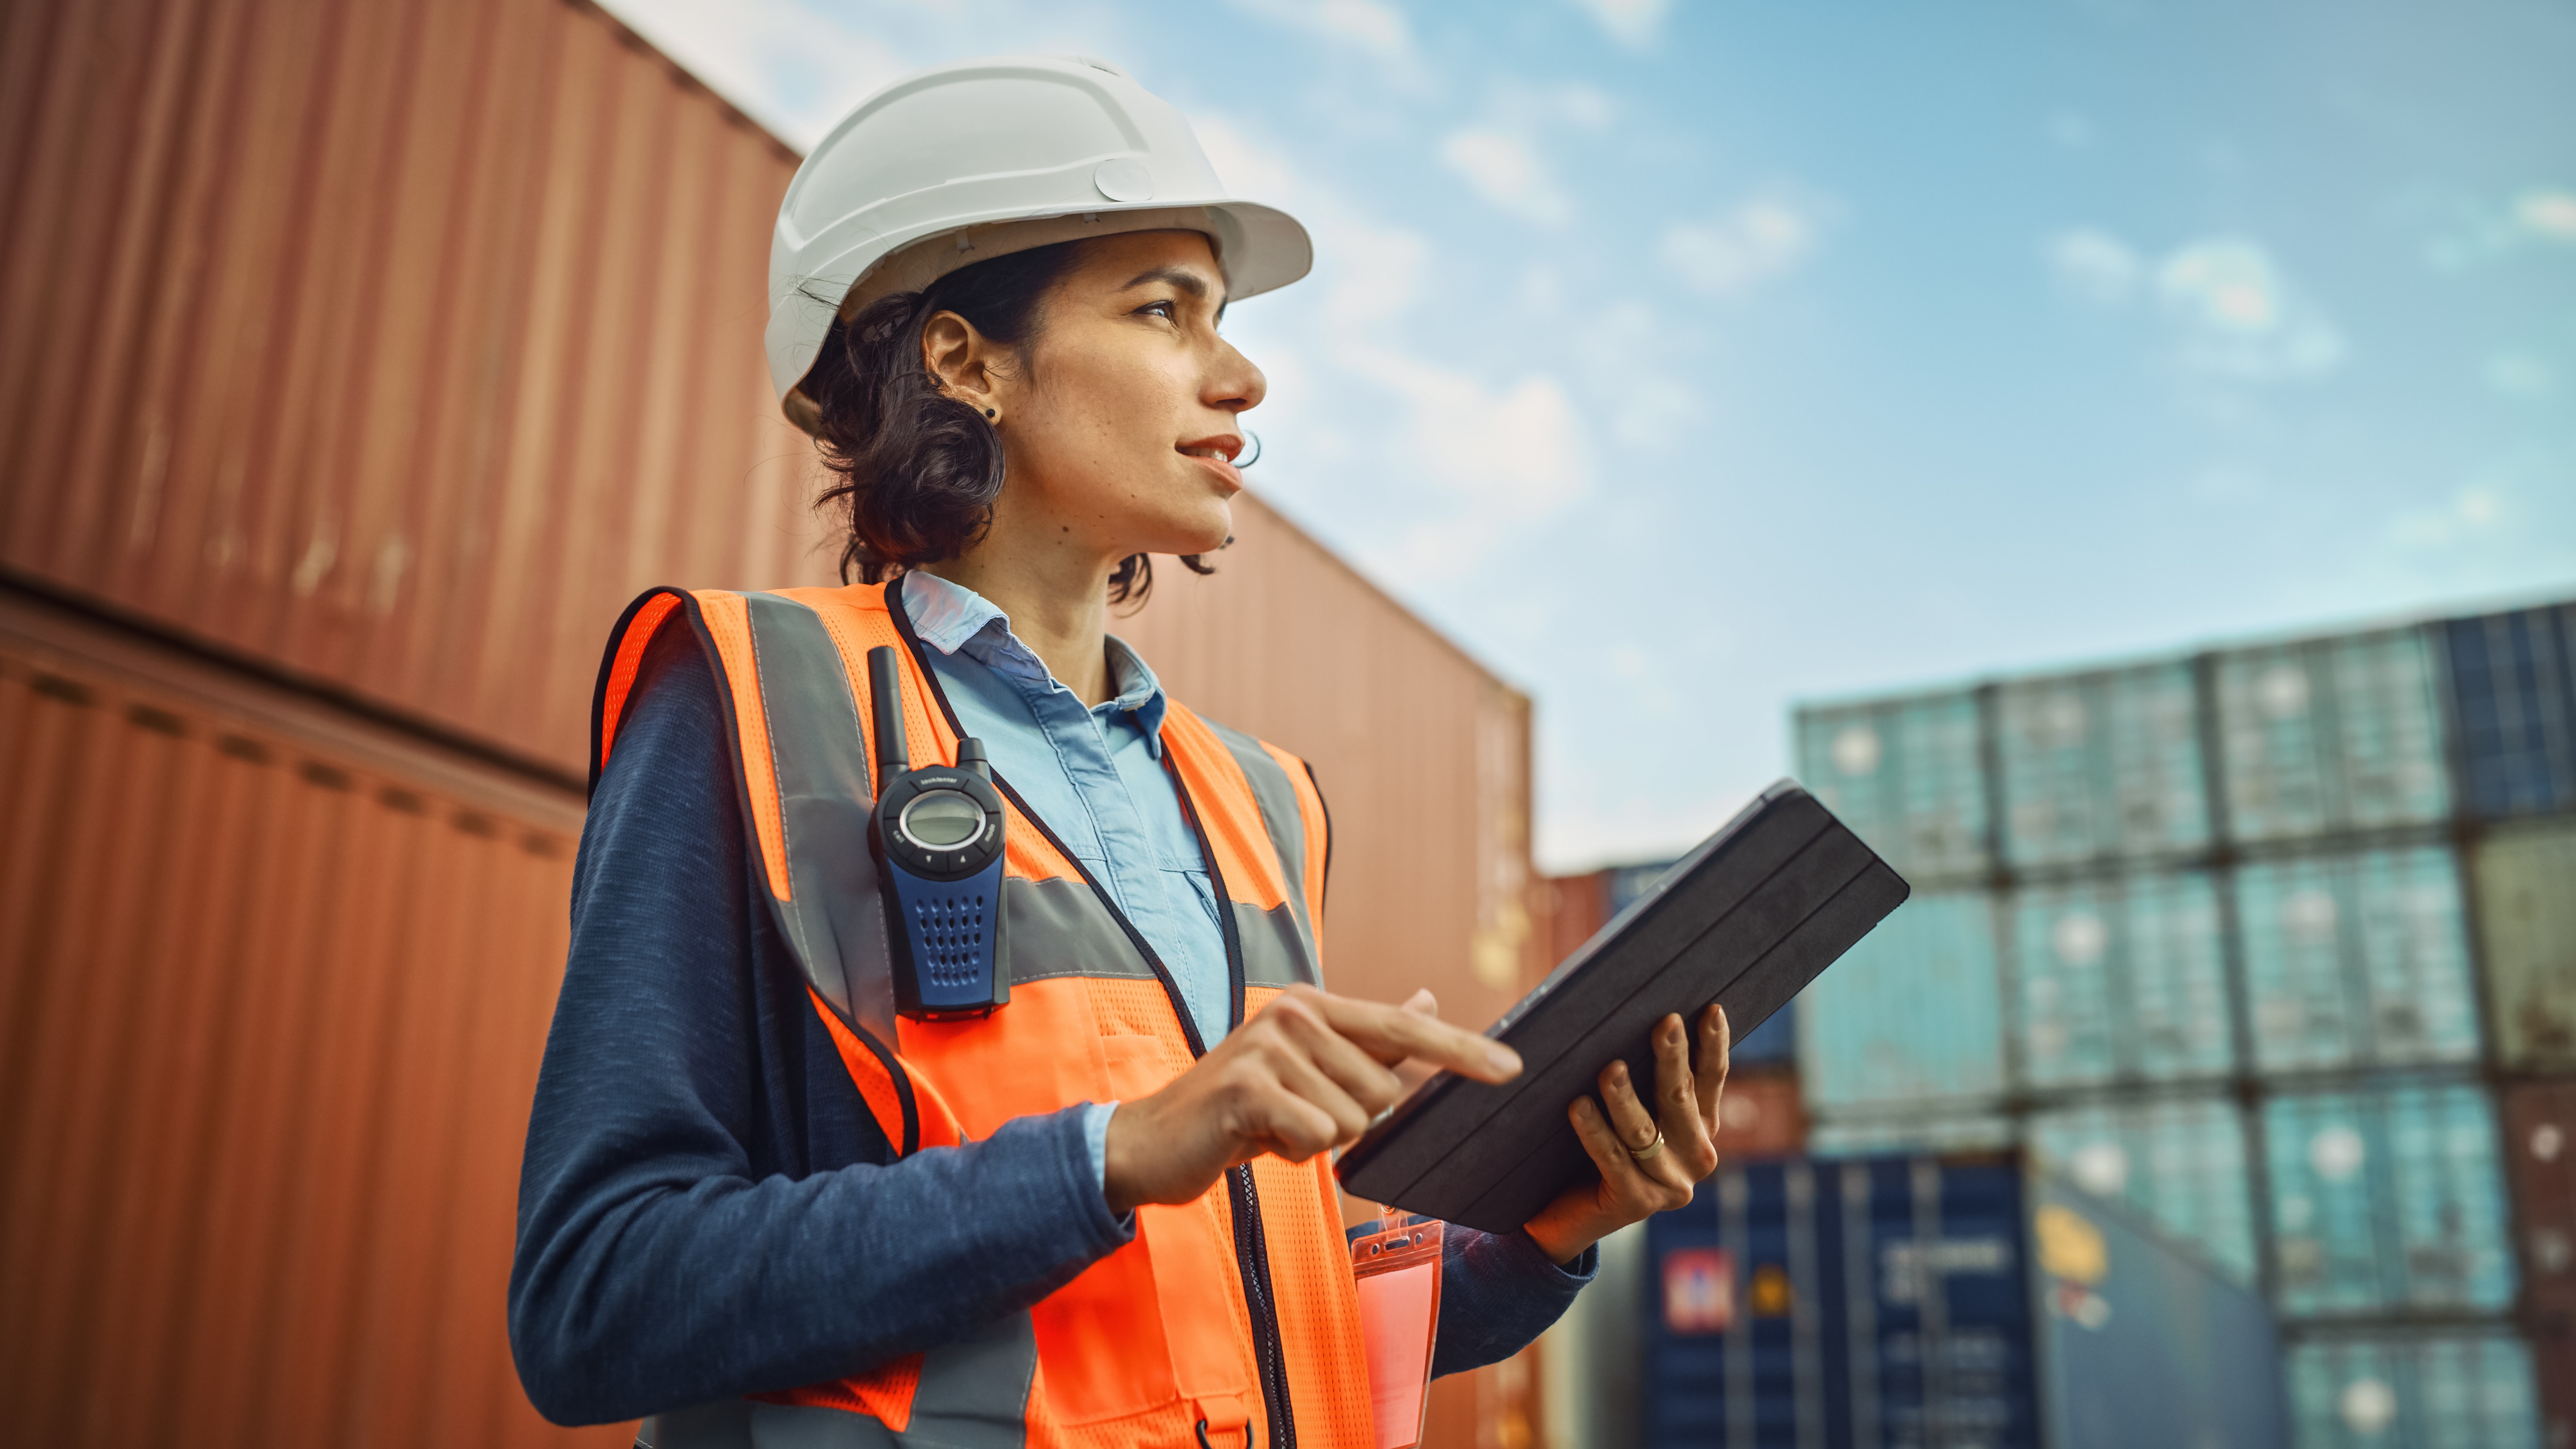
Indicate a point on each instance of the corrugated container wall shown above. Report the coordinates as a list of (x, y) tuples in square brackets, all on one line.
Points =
[(2388, 1197), (1913, 1015), (2513, 693), (2343, 733), (1907, 776), (264, 1083), (2540, 1161), (2462, 1389), (399, 344), (2358, 960), (1922, 1301), (2179, 1161), (2122, 979), (2101, 766)]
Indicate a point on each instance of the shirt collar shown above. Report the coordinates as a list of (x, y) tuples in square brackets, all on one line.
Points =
[(954, 619)]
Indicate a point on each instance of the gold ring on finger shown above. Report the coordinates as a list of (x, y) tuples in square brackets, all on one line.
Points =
[(1647, 1153)]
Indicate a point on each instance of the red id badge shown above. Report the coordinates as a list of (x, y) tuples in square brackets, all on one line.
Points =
[(1395, 1261)]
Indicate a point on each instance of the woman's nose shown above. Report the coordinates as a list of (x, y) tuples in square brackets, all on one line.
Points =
[(1234, 383)]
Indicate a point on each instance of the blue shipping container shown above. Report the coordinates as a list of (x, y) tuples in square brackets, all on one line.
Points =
[(2513, 693), (1884, 1302)]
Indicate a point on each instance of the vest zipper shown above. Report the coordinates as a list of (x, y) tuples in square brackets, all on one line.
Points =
[(1251, 1246), (1251, 1249)]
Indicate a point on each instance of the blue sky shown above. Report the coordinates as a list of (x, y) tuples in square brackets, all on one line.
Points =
[(1687, 360)]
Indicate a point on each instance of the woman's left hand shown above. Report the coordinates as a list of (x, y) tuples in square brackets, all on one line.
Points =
[(1649, 1160)]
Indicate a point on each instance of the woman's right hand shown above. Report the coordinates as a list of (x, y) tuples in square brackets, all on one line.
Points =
[(1305, 1076)]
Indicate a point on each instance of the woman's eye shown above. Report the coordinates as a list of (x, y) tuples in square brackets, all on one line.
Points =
[(1164, 310)]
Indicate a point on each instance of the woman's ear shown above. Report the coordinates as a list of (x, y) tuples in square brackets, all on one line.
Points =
[(953, 352)]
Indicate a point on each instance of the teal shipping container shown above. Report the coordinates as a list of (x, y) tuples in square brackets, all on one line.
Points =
[(2388, 1197), (1907, 1303), (2357, 960), (1912, 1016), (2101, 766), (1874, 1134), (1907, 776), (2415, 1389), (2179, 1162), (2332, 734), (2121, 979)]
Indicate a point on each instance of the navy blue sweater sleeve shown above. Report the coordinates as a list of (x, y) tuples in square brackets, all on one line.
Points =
[(1498, 1291), (706, 1209)]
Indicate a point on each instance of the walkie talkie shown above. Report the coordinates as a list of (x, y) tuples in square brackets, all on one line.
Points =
[(937, 834)]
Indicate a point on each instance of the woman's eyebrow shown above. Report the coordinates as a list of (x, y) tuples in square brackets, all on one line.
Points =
[(1181, 277)]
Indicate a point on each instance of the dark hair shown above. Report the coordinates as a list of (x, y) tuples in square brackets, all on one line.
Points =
[(916, 471)]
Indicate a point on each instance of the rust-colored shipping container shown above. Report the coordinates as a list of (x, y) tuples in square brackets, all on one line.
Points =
[(400, 344), (276, 983), (1565, 911), (2553, 1368), (2540, 1162), (1762, 1115)]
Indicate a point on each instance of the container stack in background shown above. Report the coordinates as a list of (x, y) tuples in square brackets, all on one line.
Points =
[(2278, 945)]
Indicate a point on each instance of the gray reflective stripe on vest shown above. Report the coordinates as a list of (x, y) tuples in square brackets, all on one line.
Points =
[(836, 920), (973, 1395), (1275, 951), (1286, 825), (1062, 929)]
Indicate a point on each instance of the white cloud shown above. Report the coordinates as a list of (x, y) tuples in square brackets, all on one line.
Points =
[(1371, 28), (2238, 316), (1469, 461), (1633, 23), (794, 71), (2548, 213), (2521, 375), (1505, 171), (2094, 265), (2474, 510), (1245, 168), (1763, 238), (1635, 352)]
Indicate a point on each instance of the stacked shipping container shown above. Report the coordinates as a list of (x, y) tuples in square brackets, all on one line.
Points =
[(2278, 944), (357, 364)]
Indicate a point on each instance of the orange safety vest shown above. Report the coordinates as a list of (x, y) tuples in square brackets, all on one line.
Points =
[(1230, 1320)]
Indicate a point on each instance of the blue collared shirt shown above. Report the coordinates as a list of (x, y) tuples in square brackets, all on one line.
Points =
[(1094, 774)]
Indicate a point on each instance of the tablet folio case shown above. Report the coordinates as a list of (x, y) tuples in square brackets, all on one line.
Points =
[(1750, 917)]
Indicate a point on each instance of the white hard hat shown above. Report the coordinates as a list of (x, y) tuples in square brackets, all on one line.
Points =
[(962, 163)]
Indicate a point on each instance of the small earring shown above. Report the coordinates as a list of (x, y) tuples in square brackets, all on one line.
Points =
[(988, 412)]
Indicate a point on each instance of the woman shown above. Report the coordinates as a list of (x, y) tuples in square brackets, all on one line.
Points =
[(761, 1205)]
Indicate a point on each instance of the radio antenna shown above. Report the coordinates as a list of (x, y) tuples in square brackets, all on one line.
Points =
[(885, 691)]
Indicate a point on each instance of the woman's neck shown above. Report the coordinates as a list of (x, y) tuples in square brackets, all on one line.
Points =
[(1057, 598)]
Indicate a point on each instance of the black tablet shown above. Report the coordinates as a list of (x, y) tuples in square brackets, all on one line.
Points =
[(1747, 919)]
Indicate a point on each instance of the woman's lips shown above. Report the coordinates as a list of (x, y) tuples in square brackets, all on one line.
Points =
[(1217, 455)]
